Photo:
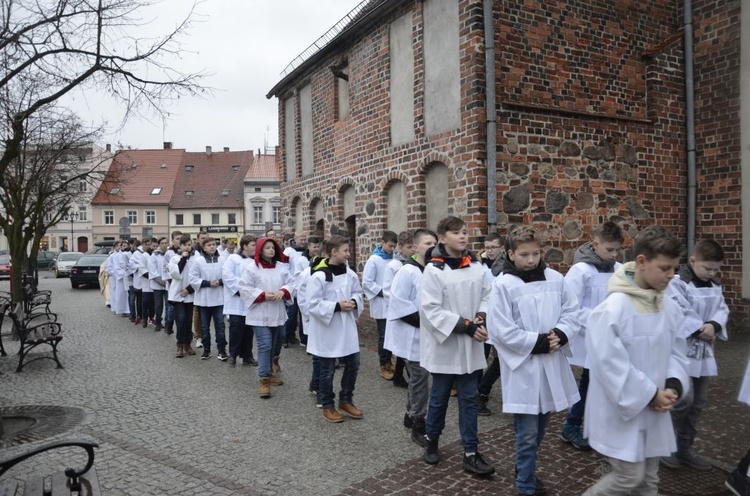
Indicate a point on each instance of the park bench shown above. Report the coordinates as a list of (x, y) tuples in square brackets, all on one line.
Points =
[(34, 330), (5, 306), (66, 483)]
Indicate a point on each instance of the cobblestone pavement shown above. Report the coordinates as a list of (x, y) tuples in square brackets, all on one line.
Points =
[(190, 427)]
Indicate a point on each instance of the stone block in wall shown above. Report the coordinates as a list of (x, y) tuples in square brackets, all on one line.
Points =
[(556, 202), (517, 198), (636, 209), (569, 149)]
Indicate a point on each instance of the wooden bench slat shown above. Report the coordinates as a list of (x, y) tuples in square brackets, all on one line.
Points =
[(60, 485), (34, 487), (8, 488)]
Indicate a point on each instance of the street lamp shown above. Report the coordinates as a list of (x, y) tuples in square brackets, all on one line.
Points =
[(72, 217)]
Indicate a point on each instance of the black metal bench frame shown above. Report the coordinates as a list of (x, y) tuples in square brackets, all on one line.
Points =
[(83, 482), (51, 332)]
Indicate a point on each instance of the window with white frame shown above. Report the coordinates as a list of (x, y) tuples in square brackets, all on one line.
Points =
[(83, 213), (215, 219), (196, 219), (109, 217), (179, 220), (82, 185), (133, 216), (150, 217), (257, 214), (232, 219), (276, 214)]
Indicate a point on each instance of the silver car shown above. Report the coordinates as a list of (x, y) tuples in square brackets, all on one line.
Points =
[(65, 261)]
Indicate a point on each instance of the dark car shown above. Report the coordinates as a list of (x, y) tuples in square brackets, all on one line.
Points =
[(86, 270), (44, 259), (102, 247), (5, 266)]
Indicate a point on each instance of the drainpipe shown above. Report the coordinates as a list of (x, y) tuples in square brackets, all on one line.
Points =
[(490, 106), (690, 125)]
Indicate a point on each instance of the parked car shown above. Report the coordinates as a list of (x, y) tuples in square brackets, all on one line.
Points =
[(5, 266), (45, 259), (65, 261), (102, 247), (86, 270)]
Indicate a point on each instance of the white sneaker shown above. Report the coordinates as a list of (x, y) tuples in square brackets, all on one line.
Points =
[(198, 343)]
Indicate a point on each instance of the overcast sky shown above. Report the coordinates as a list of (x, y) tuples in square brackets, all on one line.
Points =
[(245, 44)]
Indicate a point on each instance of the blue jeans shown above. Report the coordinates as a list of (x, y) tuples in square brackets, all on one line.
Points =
[(348, 379), (440, 394), (169, 313), (290, 328), (147, 300), (160, 297), (529, 434), (279, 338), (206, 314), (315, 380), (490, 377), (265, 338), (383, 355), (183, 316), (134, 302), (575, 414), (240, 337)]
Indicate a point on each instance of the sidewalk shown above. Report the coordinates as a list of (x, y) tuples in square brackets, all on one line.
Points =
[(190, 427)]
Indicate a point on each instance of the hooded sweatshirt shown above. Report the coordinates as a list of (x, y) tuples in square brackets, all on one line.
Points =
[(266, 275)]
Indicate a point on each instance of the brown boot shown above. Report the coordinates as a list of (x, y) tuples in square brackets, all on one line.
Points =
[(351, 410), (180, 351), (265, 387), (188, 349), (332, 415), (275, 380), (386, 372), (276, 367)]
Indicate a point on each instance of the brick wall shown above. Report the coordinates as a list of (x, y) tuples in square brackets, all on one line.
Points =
[(591, 126)]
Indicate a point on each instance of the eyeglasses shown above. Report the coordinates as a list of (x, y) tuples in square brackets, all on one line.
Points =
[(492, 247)]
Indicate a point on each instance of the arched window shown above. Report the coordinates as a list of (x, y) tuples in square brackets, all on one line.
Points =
[(396, 201), (436, 180)]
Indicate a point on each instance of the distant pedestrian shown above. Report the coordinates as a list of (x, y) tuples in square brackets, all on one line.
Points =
[(372, 284)]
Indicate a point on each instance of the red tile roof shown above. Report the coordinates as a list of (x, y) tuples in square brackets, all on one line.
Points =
[(264, 167), (134, 174), (216, 180)]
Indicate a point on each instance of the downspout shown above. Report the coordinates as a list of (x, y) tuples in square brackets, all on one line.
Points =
[(490, 108), (690, 125)]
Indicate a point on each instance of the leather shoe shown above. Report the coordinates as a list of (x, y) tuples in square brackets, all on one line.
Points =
[(431, 455), (351, 410), (476, 464), (332, 415)]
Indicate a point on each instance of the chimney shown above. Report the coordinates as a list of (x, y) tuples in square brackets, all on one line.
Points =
[(167, 145), (226, 148), (109, 147), (208, 150)]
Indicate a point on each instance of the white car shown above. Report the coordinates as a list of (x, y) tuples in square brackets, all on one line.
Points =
[(65, 261)]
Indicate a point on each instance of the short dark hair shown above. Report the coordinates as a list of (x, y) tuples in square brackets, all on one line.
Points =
[(390, 236), (154, 240), (450, 223), (185, 238), (335, 242), (202, 232), (313, 240), (654, 241), (246, 240), (521, 235), (176, 234), (209, 239), (159, 240), (493, 236), (708, 250), (423, 232), (287, 237), (609, 232), (405, 238)]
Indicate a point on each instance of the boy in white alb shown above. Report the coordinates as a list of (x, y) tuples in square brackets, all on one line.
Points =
[(739, 479), (594, 264), (156, 279), (637, 368), (532, 315), (453, 298), (205, 278), (334, 302), (702, 302), (372, 285), (402, 331), (240, 334), (404, 252)]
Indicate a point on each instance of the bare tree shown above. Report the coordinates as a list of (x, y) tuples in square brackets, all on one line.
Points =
[(48, 49)]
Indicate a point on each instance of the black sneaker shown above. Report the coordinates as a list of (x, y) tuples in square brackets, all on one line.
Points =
[(431, 455), (206, 354), (222, 356), (482, 409), (738, 483), (400, 382), (293, 341), (476, 464), (249, 361), (232, 360), (408, 421)]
